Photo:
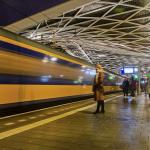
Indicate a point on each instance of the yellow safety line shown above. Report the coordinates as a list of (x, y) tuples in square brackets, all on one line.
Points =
[(6, 117), (39, 123), (45, 121)]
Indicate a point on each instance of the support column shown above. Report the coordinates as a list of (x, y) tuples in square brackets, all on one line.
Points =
[(139, 78)]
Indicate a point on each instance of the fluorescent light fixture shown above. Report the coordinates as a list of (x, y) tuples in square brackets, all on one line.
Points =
[(61, 75), (76, 82), (93, 72), (54, 59), (87, 72), (80, 77), (49, 76), (44, 78), (101, 55), (45, 60), (135, 69)]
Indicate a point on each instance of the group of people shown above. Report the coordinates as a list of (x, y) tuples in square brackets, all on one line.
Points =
[(128, 86), (131, 86), (148, 87)]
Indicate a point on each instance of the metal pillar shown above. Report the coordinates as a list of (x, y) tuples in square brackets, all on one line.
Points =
[(139, 78)]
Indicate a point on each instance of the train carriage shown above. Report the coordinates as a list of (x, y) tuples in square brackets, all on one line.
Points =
[(33, 74)]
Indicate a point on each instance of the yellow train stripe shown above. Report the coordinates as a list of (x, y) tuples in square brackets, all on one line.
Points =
[(8, 40), (13, 93), (43, 122)]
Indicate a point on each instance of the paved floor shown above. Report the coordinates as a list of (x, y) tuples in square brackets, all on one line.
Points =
[(124, 126)]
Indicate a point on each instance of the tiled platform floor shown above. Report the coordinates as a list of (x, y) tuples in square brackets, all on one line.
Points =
[(124, 126)]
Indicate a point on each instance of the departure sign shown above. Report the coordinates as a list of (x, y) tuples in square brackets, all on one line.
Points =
[(129, 70)]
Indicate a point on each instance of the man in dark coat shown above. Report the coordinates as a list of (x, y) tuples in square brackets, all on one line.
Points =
[(125, 87), (133, 87)]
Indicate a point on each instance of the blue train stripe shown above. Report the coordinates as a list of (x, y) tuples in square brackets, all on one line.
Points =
[(46, 80), (40, 80)]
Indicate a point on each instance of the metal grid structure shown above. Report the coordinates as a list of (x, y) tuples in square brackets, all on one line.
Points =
[(113, 33)]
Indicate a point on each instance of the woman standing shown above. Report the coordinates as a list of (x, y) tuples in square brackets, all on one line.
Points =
[(98, 89)]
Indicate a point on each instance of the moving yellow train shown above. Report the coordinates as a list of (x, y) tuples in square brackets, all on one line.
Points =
[(33, 74)]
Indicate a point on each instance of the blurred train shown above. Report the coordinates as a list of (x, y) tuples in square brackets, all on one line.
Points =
[(32, 74)]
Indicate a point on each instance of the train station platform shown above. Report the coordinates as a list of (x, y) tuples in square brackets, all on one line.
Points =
[(124, 126)]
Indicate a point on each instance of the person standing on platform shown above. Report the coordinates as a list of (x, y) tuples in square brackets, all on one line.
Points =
[(125, 87), (148, 87), (98, 89), (133, 85)]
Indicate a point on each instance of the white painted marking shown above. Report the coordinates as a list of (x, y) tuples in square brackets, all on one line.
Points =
[(22, 120), (71, 107), (8, 124), (49, 113), (32, 117), (55, 111), (41, 109), (110, 99), (45, 121), (66, 108), (41, 115), (62, 110)]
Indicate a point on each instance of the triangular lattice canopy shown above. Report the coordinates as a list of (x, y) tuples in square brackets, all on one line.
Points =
[(111, 32)]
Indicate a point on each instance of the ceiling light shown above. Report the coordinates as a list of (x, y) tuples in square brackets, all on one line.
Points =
[(45, 60), (61, 75), (54, 59), (101, 55)]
